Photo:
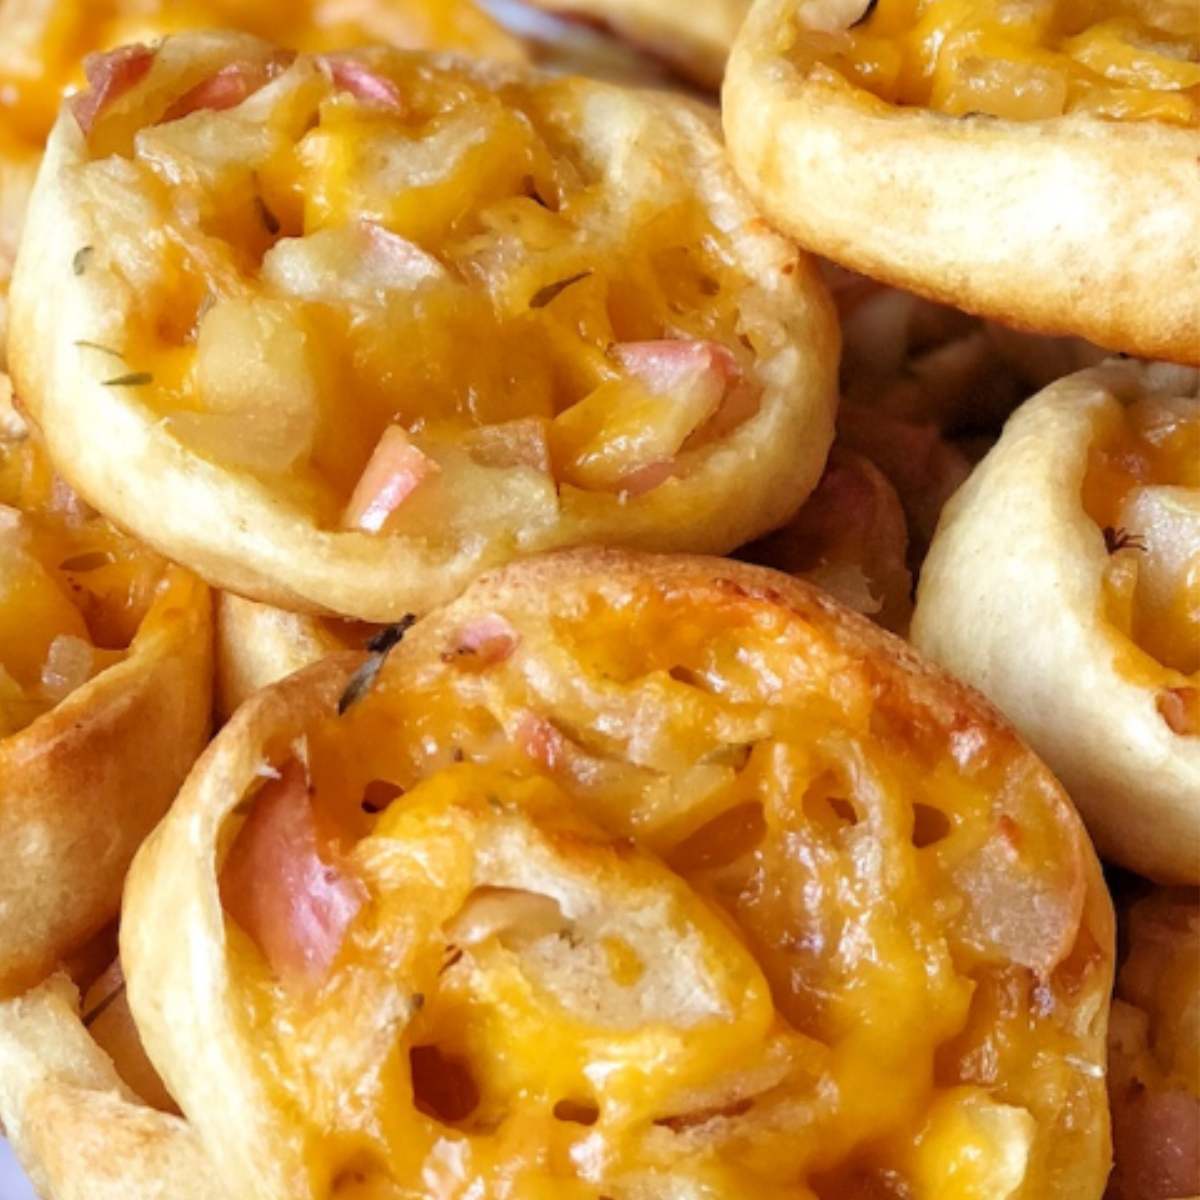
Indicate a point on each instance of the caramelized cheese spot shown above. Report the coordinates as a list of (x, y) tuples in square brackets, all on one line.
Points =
[(1127, 60)]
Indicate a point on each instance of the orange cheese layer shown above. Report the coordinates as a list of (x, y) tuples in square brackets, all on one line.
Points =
[(42, 45), (779, 936), (1135, 60), (73, 591), (1142, 488), (416, 254)]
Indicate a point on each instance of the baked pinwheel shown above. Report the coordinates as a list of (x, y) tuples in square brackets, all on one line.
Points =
[(1154, 1051), (42, 44), (105, 695), (1064, 582), (80, 1130), (390, 320), (694, 38), (1029, 160), (627, 876)]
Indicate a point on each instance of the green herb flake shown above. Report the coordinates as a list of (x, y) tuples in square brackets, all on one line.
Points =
[(380, 646), (82, 257), (553, 290), (133, 379), (94, 1013), (83, 345)]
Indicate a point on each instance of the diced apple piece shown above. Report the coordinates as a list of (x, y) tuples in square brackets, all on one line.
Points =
[(278, 887), (227, 88), (396, 470), (972, 1147), (257, 381), (109, 77), (368, 86), (359, 263), (1167, 612), (1017, 91), (34, 610), (625, 436), (520, 443), (70, 663)]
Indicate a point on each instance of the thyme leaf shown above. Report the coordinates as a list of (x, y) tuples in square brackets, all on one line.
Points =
[(85, 345), (94, 1013), (552, 291), (380, 646), (133, 379)]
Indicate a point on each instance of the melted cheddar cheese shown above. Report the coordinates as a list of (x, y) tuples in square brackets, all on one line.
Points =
[(377, 273), (1132, 60), (42, 44), (1142, 487), (73, 590), (671, 884)]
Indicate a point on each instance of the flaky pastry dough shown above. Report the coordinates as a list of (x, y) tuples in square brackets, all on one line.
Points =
[(79, 1131), (1072, 222), (337, 392), (105, 700), (632, 876), (1081, 625)]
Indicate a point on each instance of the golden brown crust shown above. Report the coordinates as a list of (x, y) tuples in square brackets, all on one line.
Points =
[(78, 1131), (219, 1080), (82, 785), (1011, 600), (1013, 220), (242, 535)]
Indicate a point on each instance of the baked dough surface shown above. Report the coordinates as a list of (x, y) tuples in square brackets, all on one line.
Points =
[(634, 876), (1078, 624), (79, 1130), (105, 698), (567, 327), (1080, 223)]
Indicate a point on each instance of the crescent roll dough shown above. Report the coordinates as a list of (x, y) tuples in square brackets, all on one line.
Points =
[(391, 320), (105, 695), (77, 1128), (1063, 582), (1154, 1051), (1029, 160), (635, 877)]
